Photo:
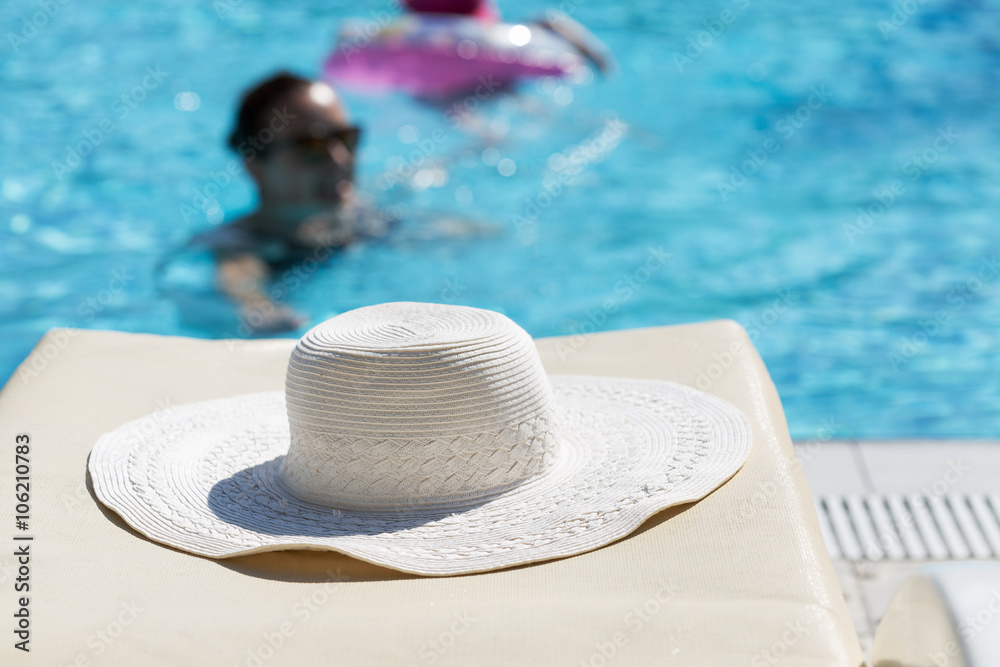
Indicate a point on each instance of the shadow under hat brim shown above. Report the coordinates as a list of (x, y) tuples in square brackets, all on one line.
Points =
[(204, 478)]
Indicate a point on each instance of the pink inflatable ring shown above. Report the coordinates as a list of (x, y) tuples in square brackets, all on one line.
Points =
[(434, 56)]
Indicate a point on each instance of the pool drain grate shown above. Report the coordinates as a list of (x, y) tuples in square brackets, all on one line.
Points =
[(917, 527)]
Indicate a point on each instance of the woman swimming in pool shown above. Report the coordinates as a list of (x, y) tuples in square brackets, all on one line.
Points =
[(298, 145)]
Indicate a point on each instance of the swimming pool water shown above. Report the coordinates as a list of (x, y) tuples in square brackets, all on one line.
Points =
[(827, 175)]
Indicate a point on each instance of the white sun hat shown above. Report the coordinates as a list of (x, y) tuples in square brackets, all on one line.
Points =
[(424, 438)]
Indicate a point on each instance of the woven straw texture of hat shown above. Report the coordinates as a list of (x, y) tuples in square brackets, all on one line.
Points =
[(423, 438)]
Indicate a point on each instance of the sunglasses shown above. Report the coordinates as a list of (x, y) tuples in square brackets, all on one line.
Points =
[(317, 149)]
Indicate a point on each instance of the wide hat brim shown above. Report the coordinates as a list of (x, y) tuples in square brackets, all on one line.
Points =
[(204, 478)]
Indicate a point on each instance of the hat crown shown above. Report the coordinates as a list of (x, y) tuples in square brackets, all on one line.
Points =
[(415, 405)]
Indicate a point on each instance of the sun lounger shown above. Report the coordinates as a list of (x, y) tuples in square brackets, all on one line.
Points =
[(741, 577)]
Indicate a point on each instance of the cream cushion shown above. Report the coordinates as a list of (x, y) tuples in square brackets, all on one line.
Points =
[(741, 577)]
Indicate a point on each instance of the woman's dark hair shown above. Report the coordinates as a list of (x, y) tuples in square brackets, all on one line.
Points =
[(257, 104)]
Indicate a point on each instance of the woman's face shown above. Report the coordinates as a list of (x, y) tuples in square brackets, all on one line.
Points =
[(310, 160)]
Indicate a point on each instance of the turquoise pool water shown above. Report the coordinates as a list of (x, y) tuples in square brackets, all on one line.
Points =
[(827, 175)]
